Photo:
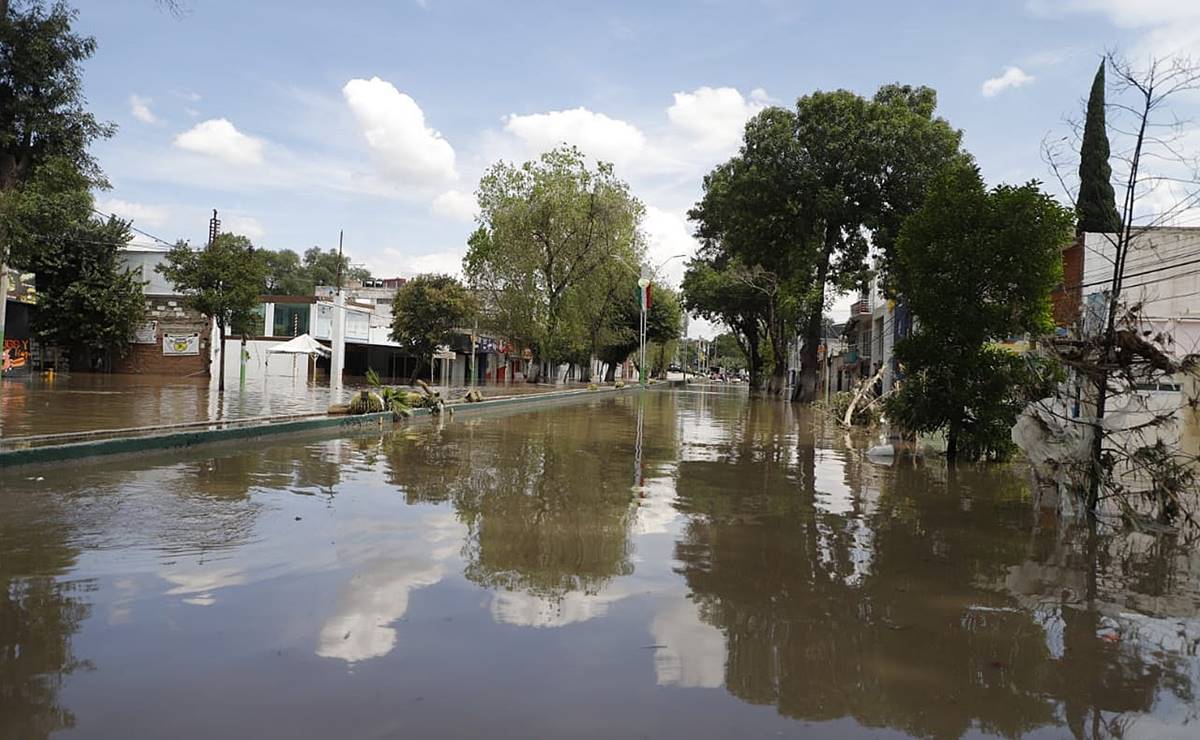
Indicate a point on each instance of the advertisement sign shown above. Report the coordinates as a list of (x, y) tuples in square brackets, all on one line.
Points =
[(146, 333), (15, 355), (181, 344)]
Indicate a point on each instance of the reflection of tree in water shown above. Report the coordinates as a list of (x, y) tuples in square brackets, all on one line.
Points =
[(38, 617), (546, 496), (918, 639)]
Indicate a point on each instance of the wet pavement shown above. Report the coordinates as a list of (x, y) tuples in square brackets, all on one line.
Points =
[(683, 564)]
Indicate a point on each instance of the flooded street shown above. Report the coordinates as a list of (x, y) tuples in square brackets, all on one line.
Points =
[(83, 402), (685, 564)]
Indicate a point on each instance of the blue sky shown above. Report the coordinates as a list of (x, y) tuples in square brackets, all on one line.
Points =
[(299, 119)]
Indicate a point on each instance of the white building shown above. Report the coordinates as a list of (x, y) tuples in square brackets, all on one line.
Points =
[(1162, 274)]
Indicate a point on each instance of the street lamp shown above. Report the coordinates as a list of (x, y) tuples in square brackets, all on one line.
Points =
[(644, 298)]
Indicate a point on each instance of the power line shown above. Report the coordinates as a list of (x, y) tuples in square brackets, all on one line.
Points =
[(1128, 275), (131, 227)]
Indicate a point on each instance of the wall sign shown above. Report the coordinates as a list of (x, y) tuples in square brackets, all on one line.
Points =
[(181, 344), (146, 333)]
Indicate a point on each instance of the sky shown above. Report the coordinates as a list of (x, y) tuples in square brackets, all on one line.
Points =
[(299, 119)]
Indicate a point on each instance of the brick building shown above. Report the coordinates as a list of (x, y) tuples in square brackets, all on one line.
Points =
[(158, 348), (1067, 296)]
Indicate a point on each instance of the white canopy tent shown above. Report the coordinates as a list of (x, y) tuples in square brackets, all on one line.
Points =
[(301, 345)]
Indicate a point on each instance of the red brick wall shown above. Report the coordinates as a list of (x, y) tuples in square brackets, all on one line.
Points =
[(1068, 296), (173, 317)]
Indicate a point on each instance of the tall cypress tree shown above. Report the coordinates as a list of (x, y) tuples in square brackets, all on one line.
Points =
[(1096, 207)]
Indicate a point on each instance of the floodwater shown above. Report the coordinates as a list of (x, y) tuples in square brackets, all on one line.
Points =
[(684, 564), (84, 402)]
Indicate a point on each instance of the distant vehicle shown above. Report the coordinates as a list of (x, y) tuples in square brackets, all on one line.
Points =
[(674, 368)]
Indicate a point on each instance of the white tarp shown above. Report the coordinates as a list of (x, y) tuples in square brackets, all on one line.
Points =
[(301, 345)]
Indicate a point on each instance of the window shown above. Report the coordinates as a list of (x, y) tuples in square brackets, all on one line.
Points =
[(291, 319)]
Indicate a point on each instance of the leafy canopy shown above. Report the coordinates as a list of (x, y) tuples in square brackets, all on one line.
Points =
[(42, 106), (977, 267), (1096, 206), (427, 311), (223, 280), (547, 228), (88, 301)]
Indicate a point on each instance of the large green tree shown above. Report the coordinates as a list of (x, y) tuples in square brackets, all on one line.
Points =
[(713, 289), (808, 195), (426, 312), (976, 266), (1096, 206), (546, 228), (321, 268), (727, 352), (286, 274), (224, 280), (621, 335), (42, 108), (755, 223), (869, 163), (89, 303)]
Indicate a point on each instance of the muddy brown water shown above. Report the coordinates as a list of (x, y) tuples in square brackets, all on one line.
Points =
[(84, 402), (733, 570)]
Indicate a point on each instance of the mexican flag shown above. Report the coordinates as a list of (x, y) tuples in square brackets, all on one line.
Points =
[(644, 296)]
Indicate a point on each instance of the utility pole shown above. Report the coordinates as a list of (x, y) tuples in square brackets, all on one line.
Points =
[(214, 229), (474, 342), (337, 331), (644, 299), (3, 300)]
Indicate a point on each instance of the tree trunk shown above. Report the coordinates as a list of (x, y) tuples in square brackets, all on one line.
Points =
[(807, 390), (221, 369), (754, 359), (610, 374), (952, 443)]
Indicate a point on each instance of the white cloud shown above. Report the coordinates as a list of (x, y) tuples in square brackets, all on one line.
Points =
[(596, 135), (395, 130), (140, 108), (139, 213), (1011, 77), (219, 138), (392, 261), (247, 226), (715, 117), (455, 204), (1168, 27), (702, 127), (667, 235), (1124, 13)]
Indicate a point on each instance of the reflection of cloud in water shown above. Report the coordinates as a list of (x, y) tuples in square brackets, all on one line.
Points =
[(656, 512), (833, 495), (378, 594), (361, 627), (197, 586), (533, 610), (693, 653)]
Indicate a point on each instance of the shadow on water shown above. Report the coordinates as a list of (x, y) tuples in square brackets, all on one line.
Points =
[(526, 560)]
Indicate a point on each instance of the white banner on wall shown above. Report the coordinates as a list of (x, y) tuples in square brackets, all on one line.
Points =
[(181, 344), (146, 333)]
